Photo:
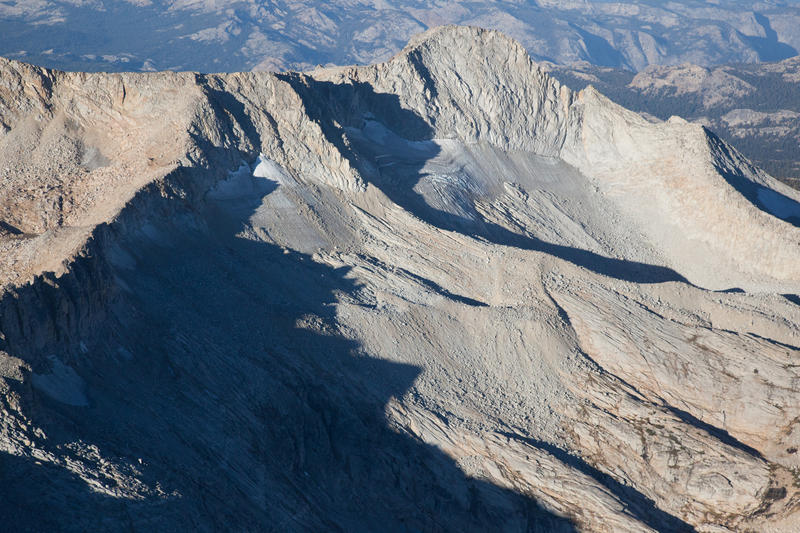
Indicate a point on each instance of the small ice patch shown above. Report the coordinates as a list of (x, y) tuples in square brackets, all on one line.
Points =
[(124, 353), (152, 232), (269, 169), (62, 384), (377, 132), (242, 182), (777, 204), (121, 258)]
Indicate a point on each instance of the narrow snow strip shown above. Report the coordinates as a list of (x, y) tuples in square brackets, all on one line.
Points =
[(62, 384)]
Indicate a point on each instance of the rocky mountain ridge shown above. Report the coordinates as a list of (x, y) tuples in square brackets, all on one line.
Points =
[(754, 107), (439, 292)]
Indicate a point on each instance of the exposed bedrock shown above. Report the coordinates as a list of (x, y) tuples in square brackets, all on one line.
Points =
[(439, 293)]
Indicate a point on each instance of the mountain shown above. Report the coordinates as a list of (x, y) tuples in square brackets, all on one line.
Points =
[(439, 293), (731, 66), (208, 36), (756, 107)]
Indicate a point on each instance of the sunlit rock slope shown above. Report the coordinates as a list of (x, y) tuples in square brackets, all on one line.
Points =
[(442, 293)]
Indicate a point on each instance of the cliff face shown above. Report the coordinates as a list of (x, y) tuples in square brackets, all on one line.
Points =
[(437, 293), (755, 107)]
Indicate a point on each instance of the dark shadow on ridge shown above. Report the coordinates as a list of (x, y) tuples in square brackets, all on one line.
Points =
[(794, 298), (220, 372), (337, 106), (769, 48), (600, 52), (636, 504), (718, 433), (755, 194), (228, 109)]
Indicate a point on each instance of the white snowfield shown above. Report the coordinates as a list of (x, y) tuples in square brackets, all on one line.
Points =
[(441, 293)]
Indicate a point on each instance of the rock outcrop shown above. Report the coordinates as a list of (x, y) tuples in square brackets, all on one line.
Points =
[(754, 107), (443, 292)]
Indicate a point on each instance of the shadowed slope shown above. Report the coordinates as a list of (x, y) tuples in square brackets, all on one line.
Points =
[(332, 105), (221, 376), (258, 340)]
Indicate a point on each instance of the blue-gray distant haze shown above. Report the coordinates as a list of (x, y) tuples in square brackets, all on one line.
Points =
[(207, 35)]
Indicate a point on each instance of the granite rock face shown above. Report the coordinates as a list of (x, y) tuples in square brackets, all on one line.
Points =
[(442, 292), (755, 107)]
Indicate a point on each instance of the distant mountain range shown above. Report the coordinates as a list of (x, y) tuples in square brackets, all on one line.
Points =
[(212, 36)]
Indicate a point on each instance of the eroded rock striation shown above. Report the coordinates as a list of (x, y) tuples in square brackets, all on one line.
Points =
[(438, 293)]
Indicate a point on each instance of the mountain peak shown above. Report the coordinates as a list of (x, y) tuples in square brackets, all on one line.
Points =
[(433, 293), (466, 37)]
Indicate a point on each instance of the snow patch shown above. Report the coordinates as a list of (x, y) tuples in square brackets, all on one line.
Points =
[(153, 233), (243, 182), (269, 169), (124, 353), (62, 384)]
